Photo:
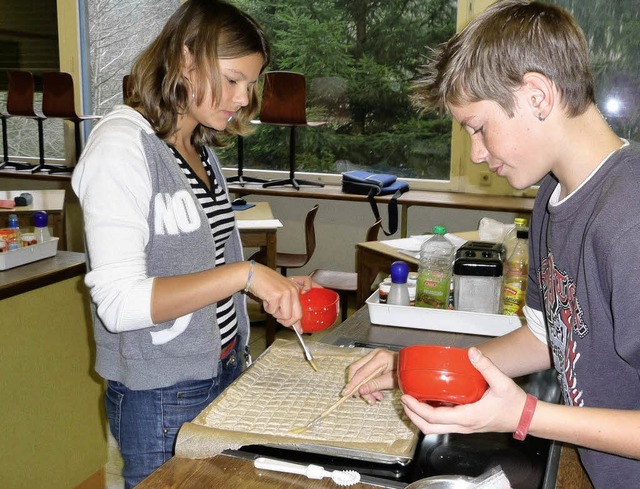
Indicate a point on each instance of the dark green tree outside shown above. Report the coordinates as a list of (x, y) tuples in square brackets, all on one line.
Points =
[(359, 58)]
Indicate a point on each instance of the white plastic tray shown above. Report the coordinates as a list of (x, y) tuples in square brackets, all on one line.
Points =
[(440, 319), (15, 258)]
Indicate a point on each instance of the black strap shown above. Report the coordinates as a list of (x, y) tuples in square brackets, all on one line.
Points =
[(393, 210)]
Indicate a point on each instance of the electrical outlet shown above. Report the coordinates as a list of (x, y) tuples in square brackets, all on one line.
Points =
[(485, 179)]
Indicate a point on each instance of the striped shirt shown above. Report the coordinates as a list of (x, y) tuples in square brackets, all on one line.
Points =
[(221, 219)]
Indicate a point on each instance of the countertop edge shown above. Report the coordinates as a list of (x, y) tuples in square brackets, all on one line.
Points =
[(25, 278)]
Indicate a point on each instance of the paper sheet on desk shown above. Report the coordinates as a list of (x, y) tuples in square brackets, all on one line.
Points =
[(411, 246), (259, 223)]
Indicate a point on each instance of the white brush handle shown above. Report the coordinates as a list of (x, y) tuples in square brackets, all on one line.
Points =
[(311, 471)]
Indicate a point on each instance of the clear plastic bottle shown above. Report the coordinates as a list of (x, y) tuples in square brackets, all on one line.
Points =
[(41, 226), (516, 274), (509, 241), (399, 291), (434, 273), (14, 238)]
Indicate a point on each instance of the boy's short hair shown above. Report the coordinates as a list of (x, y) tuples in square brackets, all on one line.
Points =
[(488, 58)]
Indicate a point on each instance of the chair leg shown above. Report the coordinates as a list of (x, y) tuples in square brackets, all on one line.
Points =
[(344, 304), (240, 177), (292, 180), (44, 167), (5, 148)]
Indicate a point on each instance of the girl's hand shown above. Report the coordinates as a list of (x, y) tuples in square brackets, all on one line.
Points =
[(367, 365), (280, 295), (304, 282)]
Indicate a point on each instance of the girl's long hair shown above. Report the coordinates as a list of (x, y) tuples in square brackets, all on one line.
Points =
[(211, 30)]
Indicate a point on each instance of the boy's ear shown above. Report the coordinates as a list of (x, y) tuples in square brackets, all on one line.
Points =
[(539, 94)]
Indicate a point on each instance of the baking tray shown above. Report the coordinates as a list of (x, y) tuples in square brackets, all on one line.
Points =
[(440, 319), (280, 392), (22, 256)]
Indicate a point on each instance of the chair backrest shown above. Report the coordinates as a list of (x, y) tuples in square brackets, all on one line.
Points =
[(284, 99), (372, 232), (57, 95), (310, 231), (125, 88), (20, 93)]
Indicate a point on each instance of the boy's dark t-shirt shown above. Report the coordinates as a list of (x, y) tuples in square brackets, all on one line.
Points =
[(585, 276)]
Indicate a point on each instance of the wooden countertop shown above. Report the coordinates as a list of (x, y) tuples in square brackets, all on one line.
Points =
[(64, 265), (228, 471), (455, 200)]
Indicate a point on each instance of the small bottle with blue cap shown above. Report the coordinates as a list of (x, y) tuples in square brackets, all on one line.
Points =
[(399, 291), (41, 226)]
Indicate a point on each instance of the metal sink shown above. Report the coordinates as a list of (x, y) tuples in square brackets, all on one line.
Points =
[(524, 462)]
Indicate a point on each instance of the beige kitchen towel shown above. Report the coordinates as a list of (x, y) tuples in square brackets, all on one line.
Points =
[(281, 392)]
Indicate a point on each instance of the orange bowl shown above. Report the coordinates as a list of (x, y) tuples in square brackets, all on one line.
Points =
[(439, 375), (319, 309)]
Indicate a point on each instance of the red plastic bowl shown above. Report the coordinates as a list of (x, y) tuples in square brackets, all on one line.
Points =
[(439, 375), (319, 309)]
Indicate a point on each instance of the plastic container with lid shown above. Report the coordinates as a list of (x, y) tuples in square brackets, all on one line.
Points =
[(434, 272), (399, 291), (383, 290), (41, 226), (14, 239), (478, 271)]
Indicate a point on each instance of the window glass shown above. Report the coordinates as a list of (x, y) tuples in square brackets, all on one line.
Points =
[(612, 30), (359, 58), (29, 42), (115, 39)]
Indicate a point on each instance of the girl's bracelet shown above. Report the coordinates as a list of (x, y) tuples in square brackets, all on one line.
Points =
[(251, 264)]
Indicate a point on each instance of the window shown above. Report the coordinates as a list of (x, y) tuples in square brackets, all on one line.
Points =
[(359, 58), (29, 41), (612, 30)]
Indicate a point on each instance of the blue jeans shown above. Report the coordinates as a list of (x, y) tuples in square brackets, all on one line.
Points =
[(145, 423)]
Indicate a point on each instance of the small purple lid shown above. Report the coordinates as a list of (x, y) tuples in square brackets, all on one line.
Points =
[(40, 219)]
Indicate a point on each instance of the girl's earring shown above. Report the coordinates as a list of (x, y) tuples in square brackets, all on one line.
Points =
[(540, 118)]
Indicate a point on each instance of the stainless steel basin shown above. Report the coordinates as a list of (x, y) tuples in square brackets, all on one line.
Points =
[(524, 462)]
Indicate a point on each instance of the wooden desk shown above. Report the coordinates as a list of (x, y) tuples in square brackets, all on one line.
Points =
[(375, 257), (25, 278), (227, 471), (50, 201), (264, 238), (424, 198)]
